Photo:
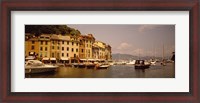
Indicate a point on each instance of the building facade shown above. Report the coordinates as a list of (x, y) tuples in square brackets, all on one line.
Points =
[(70, 47), (86, 42)]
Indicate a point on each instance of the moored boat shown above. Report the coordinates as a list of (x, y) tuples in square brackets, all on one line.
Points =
[(141, 64), (36, 66)]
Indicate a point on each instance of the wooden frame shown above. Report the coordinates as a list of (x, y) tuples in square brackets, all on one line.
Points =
[(98, 5)]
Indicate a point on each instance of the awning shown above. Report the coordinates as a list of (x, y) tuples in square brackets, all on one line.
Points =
[(83, 59), (64, 58), (30, 58), (45, 58), (52, 58)]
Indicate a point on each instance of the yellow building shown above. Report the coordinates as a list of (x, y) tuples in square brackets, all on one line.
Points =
[(32, 47), (86, 42), (55, 46), (102, 47), (69, 46), (44, 46)]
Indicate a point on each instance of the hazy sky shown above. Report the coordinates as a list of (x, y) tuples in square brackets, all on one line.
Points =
[(148, 40)]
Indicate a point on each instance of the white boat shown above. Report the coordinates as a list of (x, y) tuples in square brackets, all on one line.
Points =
[(153, 62), (131, 62), (36, 66), (103, 66)]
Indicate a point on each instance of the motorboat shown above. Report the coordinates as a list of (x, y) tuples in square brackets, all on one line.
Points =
[(141, 64), (153, 62), (36, 66), (102, 66)]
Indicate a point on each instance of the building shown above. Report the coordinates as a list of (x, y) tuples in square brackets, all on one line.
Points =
[(59, 47), (32, 46), (108, 52), (55, 46), (102, 47), (69, 46), (86, 42), (44, 46)]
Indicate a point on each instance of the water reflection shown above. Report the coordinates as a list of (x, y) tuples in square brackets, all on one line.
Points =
[(115, 71)]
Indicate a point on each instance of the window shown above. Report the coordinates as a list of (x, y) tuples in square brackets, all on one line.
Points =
[(87, 45), (52, 42), (72, 49), (76, 44), (62, 48), (45, 48), (67, 54), (74, 55), (72, 43), (52, 47), (58, 48), (41, 42), (67, 48), (33, 42), (82, 50), (63, 42), (52, 54), (62, 54), (46, 42), (41, 48), (76, 50), (67, 42), (32, 47)]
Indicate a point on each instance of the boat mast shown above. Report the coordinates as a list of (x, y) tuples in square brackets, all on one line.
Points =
[(163, 52)]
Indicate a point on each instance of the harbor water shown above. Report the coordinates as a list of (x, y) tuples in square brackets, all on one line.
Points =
[(114, 71)]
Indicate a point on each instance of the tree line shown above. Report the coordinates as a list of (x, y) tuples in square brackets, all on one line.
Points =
[(51, 29)]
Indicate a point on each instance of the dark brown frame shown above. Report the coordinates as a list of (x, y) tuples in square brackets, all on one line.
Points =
[(98, 5)]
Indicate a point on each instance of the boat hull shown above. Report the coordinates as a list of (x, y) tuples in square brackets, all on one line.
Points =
[(142, 66), (39, 70)]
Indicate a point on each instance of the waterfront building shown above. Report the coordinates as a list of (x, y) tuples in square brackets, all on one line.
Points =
[(55, 46), (86, 42), (102, 47), (44, 46), (73, 47), (108, 52), (68, 47), (31, 46)]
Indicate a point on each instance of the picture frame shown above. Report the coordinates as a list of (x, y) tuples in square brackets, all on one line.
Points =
[(120, 5)]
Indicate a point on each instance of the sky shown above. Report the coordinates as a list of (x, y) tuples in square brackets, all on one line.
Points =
[(143, 40)]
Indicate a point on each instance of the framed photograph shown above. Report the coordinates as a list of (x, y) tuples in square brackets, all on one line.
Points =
[(100, 51)]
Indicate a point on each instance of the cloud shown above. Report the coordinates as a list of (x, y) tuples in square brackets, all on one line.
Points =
[(123, 46), (147, 27)]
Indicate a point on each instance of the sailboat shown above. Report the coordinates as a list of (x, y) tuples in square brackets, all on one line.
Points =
[(153, 62), (163, 62)]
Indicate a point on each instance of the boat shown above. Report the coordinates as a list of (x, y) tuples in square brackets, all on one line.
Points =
[(36, 66), (78, 65), (141, 64), (131, 62), (102, 66), (153, 62), (90, 65), (163, 62)]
